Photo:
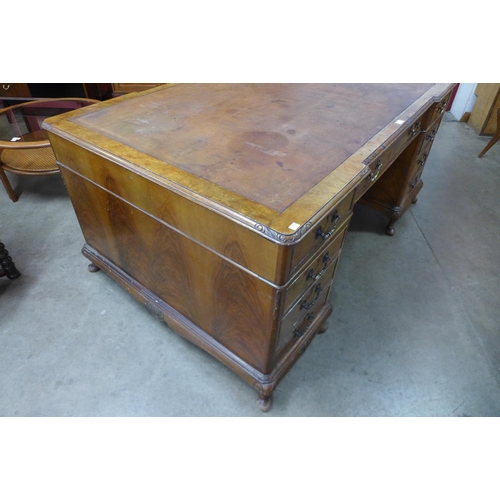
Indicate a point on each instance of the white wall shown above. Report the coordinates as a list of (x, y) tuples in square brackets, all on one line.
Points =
[(464, 100)]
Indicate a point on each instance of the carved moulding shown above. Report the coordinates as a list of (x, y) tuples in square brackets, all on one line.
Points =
[(283, 238)]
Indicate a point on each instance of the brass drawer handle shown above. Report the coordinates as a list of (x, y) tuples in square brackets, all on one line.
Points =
[(414, 181), (299, 333), (335, 219), (6, 87), (415, 129), (430, 136), (374, 175), (422, 160), (442, 108), (324, 235), (308, 306), (318, 275)]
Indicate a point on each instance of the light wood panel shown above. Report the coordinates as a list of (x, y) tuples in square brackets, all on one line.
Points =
[(483, 116)]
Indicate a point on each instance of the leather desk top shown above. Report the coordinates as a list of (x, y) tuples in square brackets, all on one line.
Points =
[(269, 143), (272, 157)]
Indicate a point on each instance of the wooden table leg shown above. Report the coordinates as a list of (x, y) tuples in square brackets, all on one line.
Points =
[(13, 196), (265, 402), (93, 268), (389, 230), (323, 328)]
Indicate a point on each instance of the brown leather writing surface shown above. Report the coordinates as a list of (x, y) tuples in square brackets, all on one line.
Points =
[(270, 143)]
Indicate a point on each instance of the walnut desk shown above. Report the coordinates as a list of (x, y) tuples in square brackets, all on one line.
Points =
[(223, 207)]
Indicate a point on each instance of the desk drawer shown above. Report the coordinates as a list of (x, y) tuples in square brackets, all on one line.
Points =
[(318, 268), (381, 162), (421, 158), (386, 157), (322, 233), (415, 179), (438, 109), (368, 181), (430, 134), (297, 322)]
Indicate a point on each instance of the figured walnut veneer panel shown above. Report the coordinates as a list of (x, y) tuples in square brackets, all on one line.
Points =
[(204, 288), (269, 143)]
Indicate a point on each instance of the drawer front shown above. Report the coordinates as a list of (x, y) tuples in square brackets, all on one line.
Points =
[(421, 159), (321, 267), (415, 179), (322, 233), (439, 108), (297, 322), (382, 161), (430, 135), (367, 182), (14, 90)]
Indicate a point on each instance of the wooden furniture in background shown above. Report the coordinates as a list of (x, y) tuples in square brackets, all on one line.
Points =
[(224, 208), (495, 137), (28, 91), (8, 90), (24, 146), (125, 88), (483, 116)]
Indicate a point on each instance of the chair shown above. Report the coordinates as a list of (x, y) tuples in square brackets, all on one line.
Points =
[(494, 139), (24, 146)]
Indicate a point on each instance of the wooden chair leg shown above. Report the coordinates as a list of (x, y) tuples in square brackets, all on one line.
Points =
[(494, 139), (13, 196)]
